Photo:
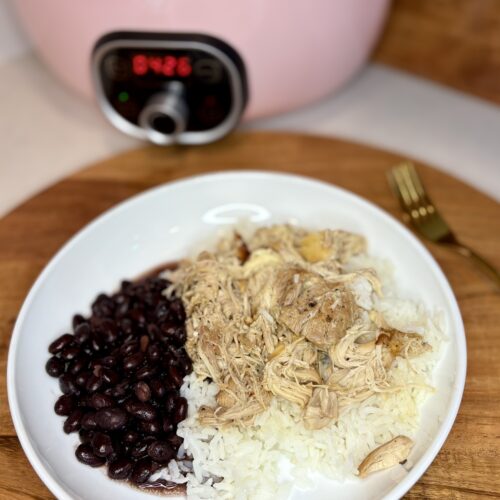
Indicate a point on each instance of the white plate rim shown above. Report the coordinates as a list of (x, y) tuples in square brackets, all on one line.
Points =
[(425, 460)]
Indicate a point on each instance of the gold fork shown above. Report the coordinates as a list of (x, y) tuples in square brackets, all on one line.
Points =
[(425, 218)]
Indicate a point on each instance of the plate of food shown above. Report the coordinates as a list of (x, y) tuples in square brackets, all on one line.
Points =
[(237, 335)]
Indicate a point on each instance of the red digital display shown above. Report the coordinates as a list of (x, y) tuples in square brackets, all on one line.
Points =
[(168, 65)]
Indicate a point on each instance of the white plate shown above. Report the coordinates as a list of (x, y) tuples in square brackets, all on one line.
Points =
[(165, 224)]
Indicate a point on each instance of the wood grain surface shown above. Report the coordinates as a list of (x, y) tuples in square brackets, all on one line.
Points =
[(454, 42), (468, 466)]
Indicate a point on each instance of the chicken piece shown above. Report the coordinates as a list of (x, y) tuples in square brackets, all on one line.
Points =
[(227, 397), (389, 454), (313, 307), (282, 239), (242, 413), (259, 274), (397, 343), (290, 372), (321, 409), (339, 245)]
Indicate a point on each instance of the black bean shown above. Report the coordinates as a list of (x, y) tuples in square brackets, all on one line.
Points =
[(142, 391), (120, 469), (122, 309), (129, 348), (140, 449), (140, 410), (54, 366), (180, 335), (169, 385), (151, 299), (73, 422), (96, 343), (125, 285), (60, 343), (167, 330), (111, 419), (150, 427), (173, 334), (137, 314), (133, 361), (157, 388), (143, 343), (162, 311), (88, 350), (154, 353), (109, 361), (146, 372), (94, 383), (99, 400), (108, 331), (120, 298), (130, 437), (161, 452), (85, 435), (153, 331), (89, 422), (167, 425), (82, 333), (77, 320), (175, 441), (65, 405), (67, 384), (85, 454), (84, 401), (82, 378), (170, 402), (120, 449), (96, 366), (177, 309), (102, 444), (175, 376), (180, 410), (109, 376), (142, 470), (103, 306), (70, 352), (121, 389), (126, 326), (80, 363)]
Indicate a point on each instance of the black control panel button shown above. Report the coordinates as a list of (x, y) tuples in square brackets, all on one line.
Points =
[(208, 70)]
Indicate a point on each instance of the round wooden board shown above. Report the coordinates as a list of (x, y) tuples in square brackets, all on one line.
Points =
[(468, 466)]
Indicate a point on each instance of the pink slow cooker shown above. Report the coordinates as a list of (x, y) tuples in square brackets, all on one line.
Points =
[(191, 60)]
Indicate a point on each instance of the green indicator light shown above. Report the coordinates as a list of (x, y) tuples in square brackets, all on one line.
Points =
[(123, 96)]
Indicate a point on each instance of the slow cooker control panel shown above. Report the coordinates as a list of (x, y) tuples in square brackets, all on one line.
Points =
[(169, 88)]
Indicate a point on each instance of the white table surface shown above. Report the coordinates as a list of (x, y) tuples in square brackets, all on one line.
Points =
[(47, 132)]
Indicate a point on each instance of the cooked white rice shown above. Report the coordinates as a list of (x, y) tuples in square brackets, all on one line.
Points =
[(269, 458)]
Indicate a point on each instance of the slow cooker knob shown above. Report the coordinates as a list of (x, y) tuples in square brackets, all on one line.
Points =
[(165, 114)]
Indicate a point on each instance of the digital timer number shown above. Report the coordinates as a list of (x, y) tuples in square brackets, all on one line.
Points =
[(168, 65)]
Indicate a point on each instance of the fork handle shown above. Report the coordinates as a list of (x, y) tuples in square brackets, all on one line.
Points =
[(480, 262)]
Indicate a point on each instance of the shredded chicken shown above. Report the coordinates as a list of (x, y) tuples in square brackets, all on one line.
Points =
[(275, 316)]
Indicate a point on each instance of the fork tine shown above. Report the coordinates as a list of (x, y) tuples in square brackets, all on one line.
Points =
[(426, 208), (417, 182), (419, 187), (407, 179), (399, 186)]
